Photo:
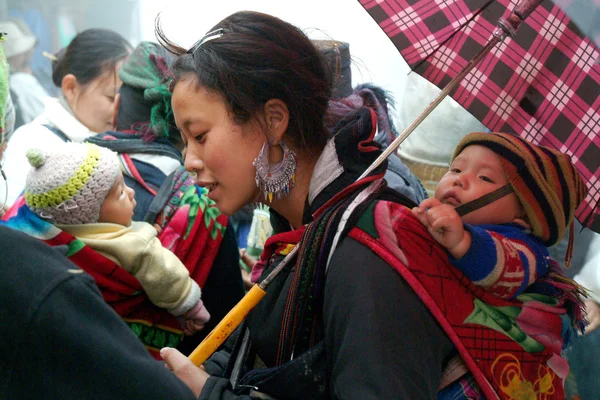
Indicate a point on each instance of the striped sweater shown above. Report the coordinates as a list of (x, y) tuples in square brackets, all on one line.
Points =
[(503, 259)]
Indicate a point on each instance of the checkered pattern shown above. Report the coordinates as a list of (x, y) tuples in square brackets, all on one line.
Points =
[(543, 85)]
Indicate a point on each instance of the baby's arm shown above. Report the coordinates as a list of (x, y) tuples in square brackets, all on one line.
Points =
[(165, 279), (504, 261), (445, 225), (167, 283)]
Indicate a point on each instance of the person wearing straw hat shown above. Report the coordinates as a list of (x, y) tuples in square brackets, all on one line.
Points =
[(28, 94)]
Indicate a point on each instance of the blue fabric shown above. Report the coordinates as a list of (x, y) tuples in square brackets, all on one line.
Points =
[(242, 230), (401, 179), (153, 178), (465, 388)]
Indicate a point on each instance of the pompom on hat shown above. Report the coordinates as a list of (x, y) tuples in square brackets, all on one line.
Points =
[(545, 181), (69, 184)]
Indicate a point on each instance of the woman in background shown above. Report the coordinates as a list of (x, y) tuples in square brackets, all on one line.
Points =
[(86, 73)]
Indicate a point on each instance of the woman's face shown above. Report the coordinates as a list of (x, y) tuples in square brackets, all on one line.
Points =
[(94, 104), (218, 150)]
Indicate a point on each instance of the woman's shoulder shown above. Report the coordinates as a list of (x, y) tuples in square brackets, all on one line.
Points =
[(32, 133)]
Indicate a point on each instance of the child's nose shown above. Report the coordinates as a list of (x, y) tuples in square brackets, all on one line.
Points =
[(461, 180)]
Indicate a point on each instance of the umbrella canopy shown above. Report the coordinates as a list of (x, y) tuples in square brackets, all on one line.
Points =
[(543, 85)]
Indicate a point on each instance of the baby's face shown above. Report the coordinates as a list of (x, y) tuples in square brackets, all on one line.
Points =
[(119, 204), (475, 172)]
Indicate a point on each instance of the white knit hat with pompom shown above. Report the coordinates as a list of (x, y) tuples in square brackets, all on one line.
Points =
[(69, 184)]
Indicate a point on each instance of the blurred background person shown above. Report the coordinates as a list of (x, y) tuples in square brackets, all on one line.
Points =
[(86, 73), (7, 119), (27, 93)]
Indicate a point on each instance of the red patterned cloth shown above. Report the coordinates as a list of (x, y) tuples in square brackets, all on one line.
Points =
[(543, 85), (512, 347)]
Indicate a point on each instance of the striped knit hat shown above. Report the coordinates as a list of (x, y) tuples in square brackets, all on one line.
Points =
[(545, 181), (69, 184)]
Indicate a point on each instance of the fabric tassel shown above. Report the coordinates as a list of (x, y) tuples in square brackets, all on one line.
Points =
[(570, 295)]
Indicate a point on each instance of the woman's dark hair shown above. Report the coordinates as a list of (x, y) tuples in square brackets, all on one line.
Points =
[(133, 108), (89, 55), (258, 58)]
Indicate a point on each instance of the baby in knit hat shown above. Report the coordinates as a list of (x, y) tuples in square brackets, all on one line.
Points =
[(79, 188), (502, 246)]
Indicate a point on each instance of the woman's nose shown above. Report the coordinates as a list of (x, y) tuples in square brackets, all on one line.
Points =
[(192, 162)]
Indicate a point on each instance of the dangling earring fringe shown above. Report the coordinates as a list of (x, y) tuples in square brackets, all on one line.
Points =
[(275, 179)]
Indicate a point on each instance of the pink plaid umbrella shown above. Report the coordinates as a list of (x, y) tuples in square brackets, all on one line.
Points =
[(543, 84)]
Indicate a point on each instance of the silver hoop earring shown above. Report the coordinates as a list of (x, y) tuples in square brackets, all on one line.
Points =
[(275, 179)]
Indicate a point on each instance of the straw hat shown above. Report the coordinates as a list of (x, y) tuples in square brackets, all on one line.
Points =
[(19, 37)]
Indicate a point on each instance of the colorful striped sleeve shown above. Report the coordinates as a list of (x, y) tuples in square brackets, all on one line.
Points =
[(503, 259)]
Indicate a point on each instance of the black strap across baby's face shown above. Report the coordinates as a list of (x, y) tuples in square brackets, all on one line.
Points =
[(484, 200)]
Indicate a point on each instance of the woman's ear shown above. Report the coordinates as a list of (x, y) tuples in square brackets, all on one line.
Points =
[(70, 88), (277, 118)]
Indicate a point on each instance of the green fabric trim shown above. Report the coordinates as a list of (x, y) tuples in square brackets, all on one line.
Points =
[(154, 337), (74, 247), (503, 319), (366, 221)]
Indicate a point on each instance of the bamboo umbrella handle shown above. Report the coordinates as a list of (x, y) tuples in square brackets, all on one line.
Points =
[(227, 325)]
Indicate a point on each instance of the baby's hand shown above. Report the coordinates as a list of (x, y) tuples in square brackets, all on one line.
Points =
[(445, 225), (195, 319)]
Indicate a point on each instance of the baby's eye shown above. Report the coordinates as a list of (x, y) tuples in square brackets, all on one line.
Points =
[(455, 170), (486, 179)]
